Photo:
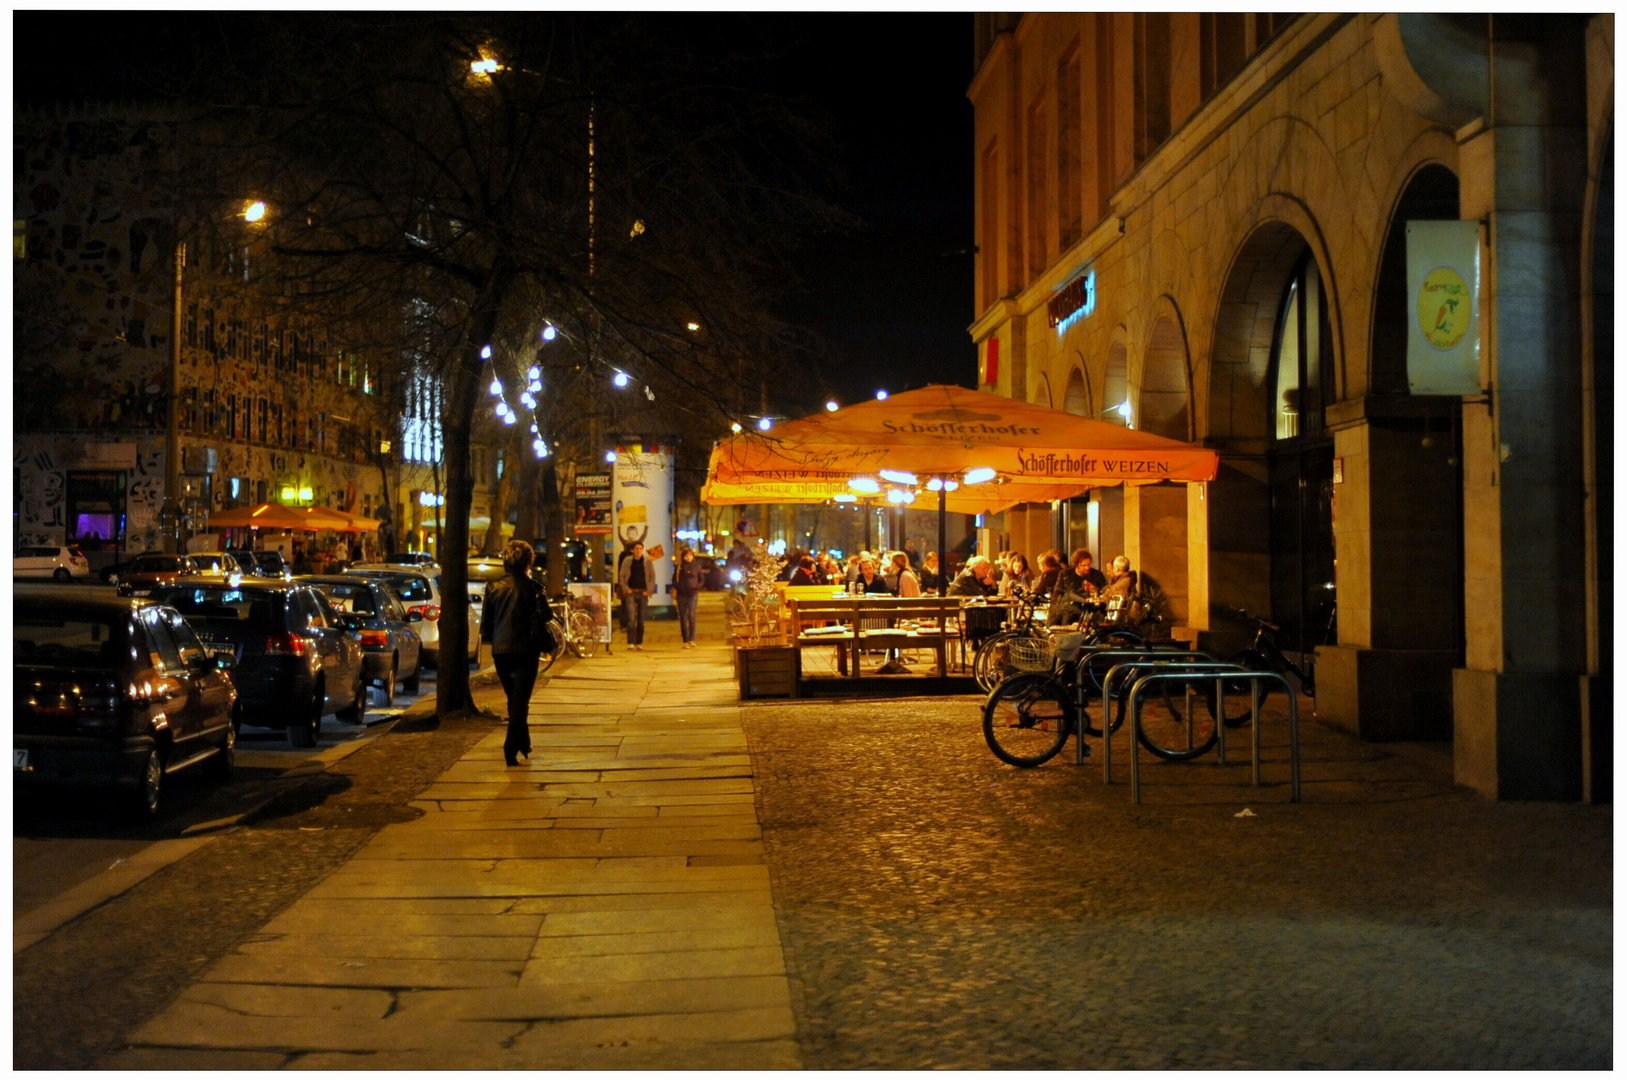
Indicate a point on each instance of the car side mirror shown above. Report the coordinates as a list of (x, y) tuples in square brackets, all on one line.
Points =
[(225, 661), (415, 616)]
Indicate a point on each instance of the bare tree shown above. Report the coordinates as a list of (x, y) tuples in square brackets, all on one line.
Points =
[(453, 182)]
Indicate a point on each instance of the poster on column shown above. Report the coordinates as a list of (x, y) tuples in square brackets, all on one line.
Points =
[(642, 494), (1443, 307)]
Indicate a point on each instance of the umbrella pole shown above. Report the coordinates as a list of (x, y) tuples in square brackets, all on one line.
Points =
[(943, 557)]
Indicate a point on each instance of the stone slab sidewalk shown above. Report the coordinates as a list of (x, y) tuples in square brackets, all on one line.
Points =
[(605, 907)]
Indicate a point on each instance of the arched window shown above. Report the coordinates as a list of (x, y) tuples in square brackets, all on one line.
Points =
[(1077, 400), (1302, 356)]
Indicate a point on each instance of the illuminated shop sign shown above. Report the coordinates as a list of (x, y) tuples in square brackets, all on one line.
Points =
[(1073, 301)]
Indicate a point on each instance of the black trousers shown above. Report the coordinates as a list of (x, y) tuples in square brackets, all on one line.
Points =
[(518, 674)]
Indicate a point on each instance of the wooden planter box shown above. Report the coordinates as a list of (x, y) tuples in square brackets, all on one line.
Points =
[(767, 671)]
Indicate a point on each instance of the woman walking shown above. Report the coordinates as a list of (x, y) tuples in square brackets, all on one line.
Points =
[(637, 578), (506, 620), (687, 581)]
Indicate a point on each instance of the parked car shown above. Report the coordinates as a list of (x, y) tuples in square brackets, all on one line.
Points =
[(272, 564), (223, 563), (391, 648), (145, 572), (296, 662), (482, 572), (115, 691), (410, 558), (419, 588), (58, 561)]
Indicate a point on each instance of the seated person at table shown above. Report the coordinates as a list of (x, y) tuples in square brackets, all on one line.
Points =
[(1019, 578), (1050, 567), (976, 580), (929, 572), (1078, 584), (804, 573), (867, 581), (908, 585)]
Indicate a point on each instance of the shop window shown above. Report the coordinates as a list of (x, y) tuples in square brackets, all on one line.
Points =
[(1302, 356)]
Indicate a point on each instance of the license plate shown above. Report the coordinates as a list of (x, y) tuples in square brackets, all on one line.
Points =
[(20, 760)]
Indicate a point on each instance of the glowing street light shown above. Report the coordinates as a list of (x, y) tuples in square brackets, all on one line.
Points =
[(831, 406), (483, 67), (764, 424), (609, 457), (735, 427), (254, 211)]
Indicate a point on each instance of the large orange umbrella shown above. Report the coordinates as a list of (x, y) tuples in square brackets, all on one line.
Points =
[(952, 431), (264, 516)]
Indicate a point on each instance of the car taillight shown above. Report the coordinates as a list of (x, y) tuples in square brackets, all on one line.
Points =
[(286, 644), (379, 638), (429, 611)]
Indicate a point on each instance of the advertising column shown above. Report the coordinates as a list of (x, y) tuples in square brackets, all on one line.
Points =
[(642, 495)]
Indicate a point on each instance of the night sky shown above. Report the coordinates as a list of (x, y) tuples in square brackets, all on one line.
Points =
[(888, 302)]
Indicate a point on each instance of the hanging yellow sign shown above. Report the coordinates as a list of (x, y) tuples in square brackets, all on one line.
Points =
[(1443, 281)]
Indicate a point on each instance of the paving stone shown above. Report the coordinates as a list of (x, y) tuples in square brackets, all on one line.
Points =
[(643, 967), (533, 1002)]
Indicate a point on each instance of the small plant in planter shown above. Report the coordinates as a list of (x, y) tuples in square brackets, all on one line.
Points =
[(761, 595)]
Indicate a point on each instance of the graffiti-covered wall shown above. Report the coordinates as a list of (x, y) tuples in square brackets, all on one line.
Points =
[(266, 399)]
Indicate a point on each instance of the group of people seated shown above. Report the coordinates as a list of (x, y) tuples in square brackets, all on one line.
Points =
[(891, 573), (1068, 588)]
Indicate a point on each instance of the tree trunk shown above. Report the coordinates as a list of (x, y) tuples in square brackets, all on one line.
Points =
[(527, 525), (452, 679), (553, 524)]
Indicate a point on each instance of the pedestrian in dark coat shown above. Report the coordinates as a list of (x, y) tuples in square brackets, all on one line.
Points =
[(687, 582), (637, 580), (506, 620)]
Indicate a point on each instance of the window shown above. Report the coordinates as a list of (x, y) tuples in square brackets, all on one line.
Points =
[(1106, 118), (1038, 205), (989, 246), (1069, 152), (1302, 358), (1151, 54)]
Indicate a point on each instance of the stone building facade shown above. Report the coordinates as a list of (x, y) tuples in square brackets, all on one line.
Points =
[(1202, 218), (272, 408)]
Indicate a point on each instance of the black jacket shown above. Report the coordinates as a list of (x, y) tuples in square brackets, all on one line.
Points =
[(689, 578), (505, 617)]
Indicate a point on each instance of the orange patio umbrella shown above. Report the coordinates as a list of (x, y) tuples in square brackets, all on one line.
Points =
[(952, 431), (264, 516)]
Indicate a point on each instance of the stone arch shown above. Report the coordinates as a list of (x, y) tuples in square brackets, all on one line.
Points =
[(1163, 403), (1076, 398), (1116, 385), (1042, 390)]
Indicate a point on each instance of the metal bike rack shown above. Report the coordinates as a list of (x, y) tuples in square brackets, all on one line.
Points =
[(1138, 696), (1184, 662), (1132, 657)]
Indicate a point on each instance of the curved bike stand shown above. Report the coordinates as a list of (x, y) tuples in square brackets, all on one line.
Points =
[(1138, 695), (1134, 660)]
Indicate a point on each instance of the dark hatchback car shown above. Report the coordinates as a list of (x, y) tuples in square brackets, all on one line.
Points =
[(296, 662), (390, 644), (110, 690)]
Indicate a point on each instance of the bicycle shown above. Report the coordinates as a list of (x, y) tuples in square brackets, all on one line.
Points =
[(1165, 727), (570, 629), (991, 662)]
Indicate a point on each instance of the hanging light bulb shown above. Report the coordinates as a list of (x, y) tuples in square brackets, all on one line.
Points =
[(934, 484), (831, 406), (485, 353), (881, 395), (535, 386), (502, 408), (609, 457), (534, 429), (621, 379), (764, 424), (509, 418), (735, 427), (978, 476), (540, 447), (534, 374), (496, 388), (528, 401), (548, 332)]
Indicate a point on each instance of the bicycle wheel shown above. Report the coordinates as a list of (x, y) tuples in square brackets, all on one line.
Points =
[(1254, 660), (584, 636), (1172, 732), (1096, 670), (986, 665), (1027, 718), (551, 651)]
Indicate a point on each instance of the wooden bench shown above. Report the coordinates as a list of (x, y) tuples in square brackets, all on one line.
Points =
[(865, 624)]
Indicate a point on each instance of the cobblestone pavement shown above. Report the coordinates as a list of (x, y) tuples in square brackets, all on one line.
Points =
[(940, 909)]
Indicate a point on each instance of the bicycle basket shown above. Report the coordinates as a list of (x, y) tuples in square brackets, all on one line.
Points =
[(1029, 654)]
